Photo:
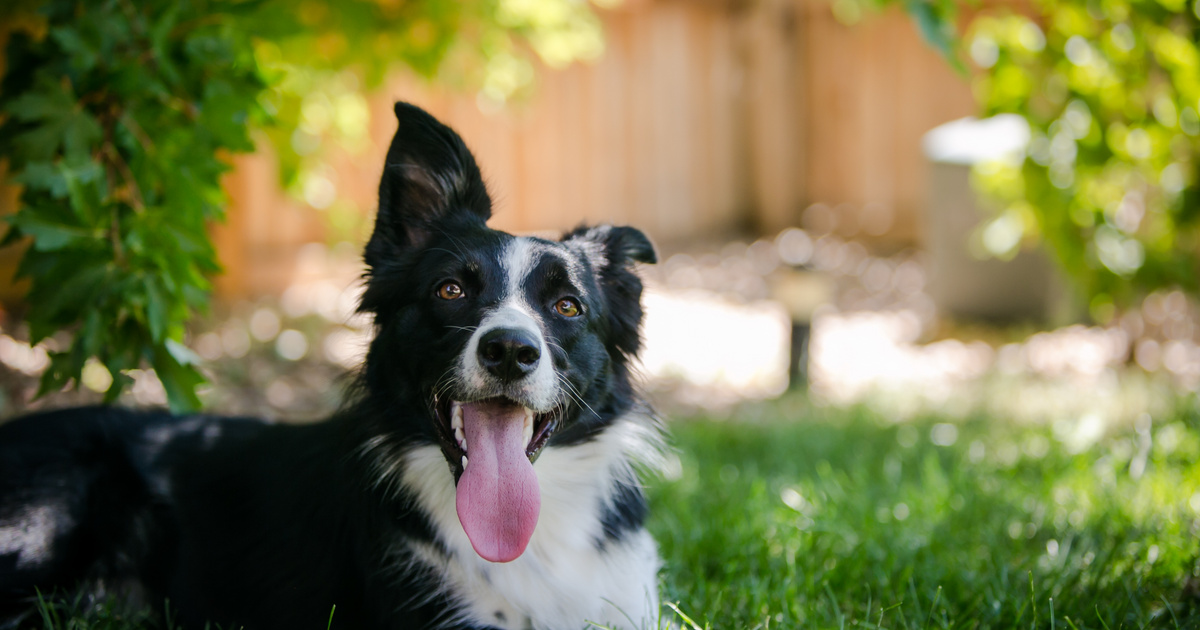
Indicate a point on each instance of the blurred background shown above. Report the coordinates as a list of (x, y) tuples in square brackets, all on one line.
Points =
[(807, 169)]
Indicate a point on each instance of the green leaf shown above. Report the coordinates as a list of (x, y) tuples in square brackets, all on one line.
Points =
[(57, 375), (39, 143), (183, 354), (80, 133), (55, 177), (178, 380), (156, 309), (43, 176), (49, 101), (83, 54), (937, 29), (160, 39), (120, 381), (57, 121), (92, 337), (72, 297), (49, 236)]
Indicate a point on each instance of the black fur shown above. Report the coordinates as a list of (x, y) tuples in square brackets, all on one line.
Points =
[(241, 522), (625, 514)]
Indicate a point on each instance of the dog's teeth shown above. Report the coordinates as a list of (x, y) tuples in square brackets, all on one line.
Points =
[(528, 433), (462, 439), (456, 420), (464, 462)]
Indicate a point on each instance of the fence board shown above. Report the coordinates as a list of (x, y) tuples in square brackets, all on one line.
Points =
[(702, 120)]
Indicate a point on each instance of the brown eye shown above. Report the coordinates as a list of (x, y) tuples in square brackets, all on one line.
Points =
[(567, 307), (450, 291)]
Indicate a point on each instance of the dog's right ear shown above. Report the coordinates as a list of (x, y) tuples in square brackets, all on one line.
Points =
[(430, 180)]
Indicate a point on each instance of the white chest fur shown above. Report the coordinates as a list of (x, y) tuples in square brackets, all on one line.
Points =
[(565, 579)]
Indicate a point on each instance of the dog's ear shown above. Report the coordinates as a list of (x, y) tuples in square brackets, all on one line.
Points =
[(429, 179), (612, 252), (609, 245)]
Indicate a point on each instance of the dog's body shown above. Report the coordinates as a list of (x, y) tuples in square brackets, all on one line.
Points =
[(506, 350)]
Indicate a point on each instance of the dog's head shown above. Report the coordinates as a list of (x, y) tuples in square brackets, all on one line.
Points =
[(492, 346)]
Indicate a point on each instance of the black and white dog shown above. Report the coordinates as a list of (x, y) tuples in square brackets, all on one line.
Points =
[(482, 476)]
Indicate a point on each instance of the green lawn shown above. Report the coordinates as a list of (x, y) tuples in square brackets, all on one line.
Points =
[(791, 517)]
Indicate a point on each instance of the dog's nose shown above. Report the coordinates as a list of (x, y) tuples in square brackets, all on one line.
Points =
[(509, 354)]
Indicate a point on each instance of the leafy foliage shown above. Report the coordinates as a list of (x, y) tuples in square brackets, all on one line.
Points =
[(114, 123), (1111, 179), (1111, 92), (118, 118)]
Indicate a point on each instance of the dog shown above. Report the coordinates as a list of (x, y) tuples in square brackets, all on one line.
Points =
[(484, 472)]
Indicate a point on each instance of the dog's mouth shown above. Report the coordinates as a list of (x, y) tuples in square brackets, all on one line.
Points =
[(491, 446), (536, 428)]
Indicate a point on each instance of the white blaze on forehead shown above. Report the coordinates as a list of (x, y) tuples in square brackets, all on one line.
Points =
[(522, 256), (518, 261)]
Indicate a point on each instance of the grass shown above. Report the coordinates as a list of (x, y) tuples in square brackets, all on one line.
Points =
[(800, 517), (791, 516)]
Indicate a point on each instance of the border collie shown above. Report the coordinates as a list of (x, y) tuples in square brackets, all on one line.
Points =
[(483, 475)]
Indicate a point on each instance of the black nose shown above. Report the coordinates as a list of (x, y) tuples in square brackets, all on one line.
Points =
[(509, 353)]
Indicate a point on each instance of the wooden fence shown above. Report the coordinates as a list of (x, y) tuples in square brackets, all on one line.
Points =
[(703, 120)]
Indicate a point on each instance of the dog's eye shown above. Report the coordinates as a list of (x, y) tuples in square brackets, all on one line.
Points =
[(450, 291), (567, 307)]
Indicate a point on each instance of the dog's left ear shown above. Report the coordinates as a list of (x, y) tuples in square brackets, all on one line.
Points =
[(429, 179), (612, 252)]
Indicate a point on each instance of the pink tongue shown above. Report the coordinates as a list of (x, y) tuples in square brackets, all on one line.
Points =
[(498, 497)]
